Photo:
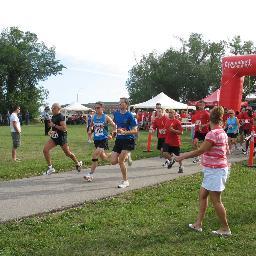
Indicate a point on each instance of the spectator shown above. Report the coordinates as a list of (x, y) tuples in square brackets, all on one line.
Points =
[(215, 168), (20, 118), (47, 119), (8, 118), (27, 117), (15, 131)]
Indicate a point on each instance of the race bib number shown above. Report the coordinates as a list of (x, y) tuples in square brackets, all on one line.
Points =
[(162, 131), (54, 135), (98, 131)]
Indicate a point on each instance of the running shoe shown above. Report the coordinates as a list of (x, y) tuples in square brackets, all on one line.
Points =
[(165, 164), (79, 166), (88, 177), (49, 171), (181, 170), (196, 160), (124, 184), (129, 159), (171, 164)]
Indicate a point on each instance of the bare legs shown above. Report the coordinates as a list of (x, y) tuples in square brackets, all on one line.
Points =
[(120, 159), (50, 145), (218, 206)]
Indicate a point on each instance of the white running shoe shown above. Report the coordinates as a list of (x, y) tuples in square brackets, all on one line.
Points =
[(79, 166), (49, 171), (166, 163), (88, 177), (129, 159), (123, 184), (196, 160)]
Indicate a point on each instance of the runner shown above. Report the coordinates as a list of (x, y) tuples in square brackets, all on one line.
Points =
[(247, 139), (201, 119), (159, 125), (245, 120), (124, 144), (172, 140), (232, 127), (58, 136), (99, 127)]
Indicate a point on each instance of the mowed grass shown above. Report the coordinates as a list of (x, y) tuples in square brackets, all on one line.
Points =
[(33, 140), (149, 221)]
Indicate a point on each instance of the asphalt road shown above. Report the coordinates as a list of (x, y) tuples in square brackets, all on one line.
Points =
[(32, 196)]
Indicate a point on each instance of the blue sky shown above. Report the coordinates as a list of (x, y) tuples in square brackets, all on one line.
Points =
[(90, 82), (99, 40)]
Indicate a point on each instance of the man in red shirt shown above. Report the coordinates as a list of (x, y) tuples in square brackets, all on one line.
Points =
[(245, 120), (159, 125), (201, 119), (172, 140)]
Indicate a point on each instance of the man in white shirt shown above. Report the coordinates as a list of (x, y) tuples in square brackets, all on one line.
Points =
[(15, 131)]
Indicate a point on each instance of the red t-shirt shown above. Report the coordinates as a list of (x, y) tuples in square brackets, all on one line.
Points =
[(245, 120), (159, 124), (172, 138), (201, 117), (139, 117), (183, 115)]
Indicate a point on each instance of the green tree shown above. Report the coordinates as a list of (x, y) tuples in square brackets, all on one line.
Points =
[(189, 73), (24, 62)]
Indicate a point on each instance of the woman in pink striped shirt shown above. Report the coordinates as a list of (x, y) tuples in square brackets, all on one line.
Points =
[(215, 168)]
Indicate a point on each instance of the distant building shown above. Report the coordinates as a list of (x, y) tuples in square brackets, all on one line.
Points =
[(108, 106)]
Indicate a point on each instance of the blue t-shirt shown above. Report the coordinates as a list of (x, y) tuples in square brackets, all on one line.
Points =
[(125, 121), (232, 125), (100, 127)]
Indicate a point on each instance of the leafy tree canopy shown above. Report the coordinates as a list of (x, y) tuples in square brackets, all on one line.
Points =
[(24, 62), (188, 73)]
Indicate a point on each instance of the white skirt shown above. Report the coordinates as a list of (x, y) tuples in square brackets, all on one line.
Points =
[(215, 178)]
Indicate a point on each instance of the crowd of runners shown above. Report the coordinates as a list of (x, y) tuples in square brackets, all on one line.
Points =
[(216, 134)]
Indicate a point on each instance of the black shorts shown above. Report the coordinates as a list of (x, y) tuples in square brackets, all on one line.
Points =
[(232, 135), (61, 140), (160, 143), (200, 136), (101, 144), (171, 149), (124, 144), (246, 132)]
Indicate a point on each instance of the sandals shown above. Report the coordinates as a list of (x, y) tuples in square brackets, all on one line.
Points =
[(222, 233), (216, 233), (195, 228)]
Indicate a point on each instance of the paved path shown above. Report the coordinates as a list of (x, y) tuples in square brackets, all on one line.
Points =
[(30, 196)]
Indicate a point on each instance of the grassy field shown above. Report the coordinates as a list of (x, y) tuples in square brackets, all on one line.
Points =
[(150, 221), (33, 140)]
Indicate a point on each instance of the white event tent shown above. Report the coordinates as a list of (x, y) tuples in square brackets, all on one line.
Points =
[(166, 102), (74, 107)]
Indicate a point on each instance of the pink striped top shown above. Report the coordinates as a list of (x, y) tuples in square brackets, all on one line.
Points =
[(216, 157)]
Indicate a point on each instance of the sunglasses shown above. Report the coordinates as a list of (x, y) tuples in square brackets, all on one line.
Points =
[(97, 107)]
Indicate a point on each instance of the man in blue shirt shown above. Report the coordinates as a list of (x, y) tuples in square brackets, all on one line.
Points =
[(125, 142)]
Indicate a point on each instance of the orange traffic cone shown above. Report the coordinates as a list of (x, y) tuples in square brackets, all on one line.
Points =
[(251, 148), (149, 143)]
